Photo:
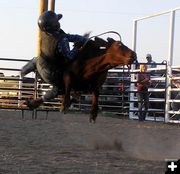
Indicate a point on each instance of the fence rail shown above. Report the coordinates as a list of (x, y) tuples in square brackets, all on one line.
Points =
[(114, 96)]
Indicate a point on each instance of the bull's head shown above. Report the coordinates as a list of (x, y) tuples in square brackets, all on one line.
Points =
[(122, 55)]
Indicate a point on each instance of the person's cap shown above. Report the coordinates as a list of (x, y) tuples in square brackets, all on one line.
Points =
[(148, 56)]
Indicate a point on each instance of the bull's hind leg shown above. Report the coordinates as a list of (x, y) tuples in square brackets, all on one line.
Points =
[(94, 108), (66, 97)]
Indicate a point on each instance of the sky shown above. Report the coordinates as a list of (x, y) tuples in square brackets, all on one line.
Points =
[(18, 31)]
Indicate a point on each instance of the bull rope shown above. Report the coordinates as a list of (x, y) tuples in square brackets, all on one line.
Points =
[(101, 35), (106, 33)]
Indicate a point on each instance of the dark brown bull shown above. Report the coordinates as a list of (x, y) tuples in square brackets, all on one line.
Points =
[(88, 72)]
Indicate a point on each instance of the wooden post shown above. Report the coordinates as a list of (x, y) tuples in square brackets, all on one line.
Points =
[(52, 5), (43, 6)]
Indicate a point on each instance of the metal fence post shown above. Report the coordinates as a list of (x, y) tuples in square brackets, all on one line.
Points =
[(169, 64), (132, 86)]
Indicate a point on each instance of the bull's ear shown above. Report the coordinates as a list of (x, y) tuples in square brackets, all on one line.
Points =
[(110, 40), (100, 42)]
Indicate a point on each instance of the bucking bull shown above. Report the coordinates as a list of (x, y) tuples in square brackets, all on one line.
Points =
[(87, 72)]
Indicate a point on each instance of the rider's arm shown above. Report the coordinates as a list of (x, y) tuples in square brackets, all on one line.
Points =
[(63, 47), (76, 38)]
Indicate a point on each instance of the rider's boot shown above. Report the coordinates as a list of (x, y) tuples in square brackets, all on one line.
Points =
[(33, 104)]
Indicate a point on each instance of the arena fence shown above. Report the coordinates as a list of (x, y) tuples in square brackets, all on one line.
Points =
[(115, 95), (172, 17), (14, 90), (173, 112)]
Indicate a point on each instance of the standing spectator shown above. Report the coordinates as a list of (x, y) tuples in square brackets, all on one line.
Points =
[(151, 63), (143, 82)]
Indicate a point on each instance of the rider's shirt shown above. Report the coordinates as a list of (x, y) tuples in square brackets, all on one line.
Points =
[(64, 48)]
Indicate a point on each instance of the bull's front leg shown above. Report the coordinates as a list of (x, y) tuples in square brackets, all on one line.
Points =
[(94, 108), (66, 97)]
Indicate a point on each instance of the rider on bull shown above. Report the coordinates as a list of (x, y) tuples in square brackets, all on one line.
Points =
[(54, 45), (49, 24), (55, 42)]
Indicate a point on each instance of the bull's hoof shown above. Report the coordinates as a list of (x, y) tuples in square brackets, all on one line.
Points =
[(63, 110), (92, 120)]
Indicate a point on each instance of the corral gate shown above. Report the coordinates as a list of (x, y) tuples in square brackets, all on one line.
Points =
[(169, 62)]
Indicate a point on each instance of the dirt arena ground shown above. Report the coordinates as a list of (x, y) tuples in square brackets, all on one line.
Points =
[(69, 144)]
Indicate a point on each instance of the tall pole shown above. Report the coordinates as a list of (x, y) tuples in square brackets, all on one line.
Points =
[(132, 86), (43, 6), (52, 5), (169, 64)]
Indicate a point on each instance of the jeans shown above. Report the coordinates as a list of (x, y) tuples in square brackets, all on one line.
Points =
[(143, 101)]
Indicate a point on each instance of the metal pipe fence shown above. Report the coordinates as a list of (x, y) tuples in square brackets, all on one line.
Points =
[(172, 20), (114, 96)]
